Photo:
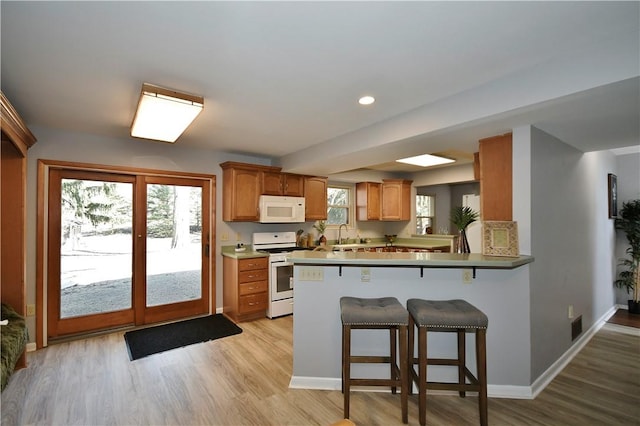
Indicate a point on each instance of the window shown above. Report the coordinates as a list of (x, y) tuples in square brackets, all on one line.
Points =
[(338, 205), (425, 211)]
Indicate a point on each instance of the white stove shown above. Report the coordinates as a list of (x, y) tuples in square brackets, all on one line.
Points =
[(278, 245)]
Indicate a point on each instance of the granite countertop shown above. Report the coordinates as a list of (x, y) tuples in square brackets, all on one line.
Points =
[(425, 260)]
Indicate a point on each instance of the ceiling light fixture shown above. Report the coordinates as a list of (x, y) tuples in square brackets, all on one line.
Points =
[(164, 114), (366, 100), (426, 160)]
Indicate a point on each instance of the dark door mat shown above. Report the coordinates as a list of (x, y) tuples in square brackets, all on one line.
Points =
[(152, 340)]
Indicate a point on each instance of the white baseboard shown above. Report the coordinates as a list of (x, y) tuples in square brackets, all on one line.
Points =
[(316, 383), (218, 310), (331, 383), (31, 347), (493, 391)]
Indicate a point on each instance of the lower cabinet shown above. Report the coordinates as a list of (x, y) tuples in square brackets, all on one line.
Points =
[(245, 290)]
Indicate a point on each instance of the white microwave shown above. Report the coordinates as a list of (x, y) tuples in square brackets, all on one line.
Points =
[(279, 209)]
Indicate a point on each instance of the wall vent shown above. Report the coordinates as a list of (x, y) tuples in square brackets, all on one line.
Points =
[(576, 328)]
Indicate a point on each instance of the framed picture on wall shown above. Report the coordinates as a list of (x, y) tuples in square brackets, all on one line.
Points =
[(613, 195), (500, 238)]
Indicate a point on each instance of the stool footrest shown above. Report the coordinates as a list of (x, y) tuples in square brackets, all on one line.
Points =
[(368, 359), (438, 361), (453, 386), (375, 382)]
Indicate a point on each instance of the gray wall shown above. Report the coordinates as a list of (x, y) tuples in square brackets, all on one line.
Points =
[(447, 196), (572, 241), (628, 173)]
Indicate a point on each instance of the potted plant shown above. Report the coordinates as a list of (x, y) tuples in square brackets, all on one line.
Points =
[(461, 217), (321, 226), (628, 221)]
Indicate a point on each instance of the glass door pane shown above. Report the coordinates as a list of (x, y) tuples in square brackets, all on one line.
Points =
[(174, 244), (96, 219)]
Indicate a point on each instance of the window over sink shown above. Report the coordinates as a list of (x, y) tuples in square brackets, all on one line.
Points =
[(339, 205)]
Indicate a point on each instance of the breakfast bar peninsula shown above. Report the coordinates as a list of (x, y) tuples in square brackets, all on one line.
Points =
[(499, 286)]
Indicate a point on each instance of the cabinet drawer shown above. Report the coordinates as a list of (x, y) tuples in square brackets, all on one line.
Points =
[(253, 302), (256, 275), (253, 263), (253, 287)]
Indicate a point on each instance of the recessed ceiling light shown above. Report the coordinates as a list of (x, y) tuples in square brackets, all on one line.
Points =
[(366, 100), (426, 160)]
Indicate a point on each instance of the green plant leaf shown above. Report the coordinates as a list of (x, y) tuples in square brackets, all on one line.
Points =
[(461, 217)]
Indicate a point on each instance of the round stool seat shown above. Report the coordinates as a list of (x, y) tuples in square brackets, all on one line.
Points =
[(376, 311), (446, 314)]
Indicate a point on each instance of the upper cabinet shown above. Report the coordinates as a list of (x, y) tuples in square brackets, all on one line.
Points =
[(315, 196), (496, 196), (396, 199), (387, 201), (242, 185), (276, 183), (368, 201)]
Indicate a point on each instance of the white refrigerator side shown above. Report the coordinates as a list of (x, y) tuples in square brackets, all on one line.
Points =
[(474, 231)]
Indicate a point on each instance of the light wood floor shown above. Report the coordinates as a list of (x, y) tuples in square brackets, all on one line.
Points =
[(243, 380)]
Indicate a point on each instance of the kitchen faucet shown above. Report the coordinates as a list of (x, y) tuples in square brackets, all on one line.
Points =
[(340, 232)]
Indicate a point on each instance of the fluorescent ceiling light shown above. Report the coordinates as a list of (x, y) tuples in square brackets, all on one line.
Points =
[(366, 100), (164, 114), (426, 160)]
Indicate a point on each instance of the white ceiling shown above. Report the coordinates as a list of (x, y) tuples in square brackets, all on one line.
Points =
[(282, 79)]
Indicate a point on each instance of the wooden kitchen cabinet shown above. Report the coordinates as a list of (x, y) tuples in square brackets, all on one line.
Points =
[(396, 199), (245, 290), (242, 185), (496, 192), (368, 201), (276, 183), (315, 195)]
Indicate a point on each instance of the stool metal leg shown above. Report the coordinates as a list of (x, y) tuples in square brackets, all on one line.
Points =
[(462, 362), (346, 367), (481, 356)]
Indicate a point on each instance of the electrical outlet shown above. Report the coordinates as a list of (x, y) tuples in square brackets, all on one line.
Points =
[(365, 274), (31, 310), (570, 312), (467, 276), (238, 236), (311, 273), (224, 236)]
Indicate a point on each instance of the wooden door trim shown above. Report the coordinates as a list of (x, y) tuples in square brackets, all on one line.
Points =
[(147, 315), (56, 325), (43, 168)]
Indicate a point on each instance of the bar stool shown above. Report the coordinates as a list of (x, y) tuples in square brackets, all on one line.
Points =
[(369, 314), (447, 316)]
